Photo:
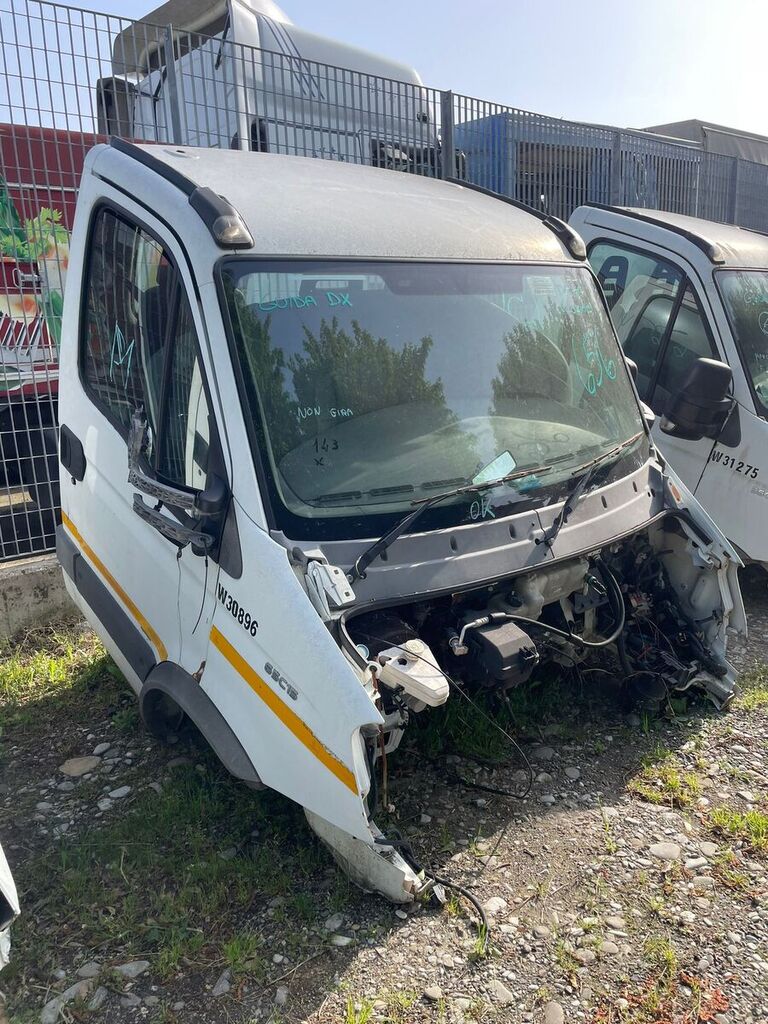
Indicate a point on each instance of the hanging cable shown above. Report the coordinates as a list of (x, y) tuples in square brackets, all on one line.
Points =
[(455, 686), (202, 602), (405, 847)]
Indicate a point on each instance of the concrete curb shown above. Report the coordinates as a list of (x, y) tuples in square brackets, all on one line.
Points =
[(32, 593)]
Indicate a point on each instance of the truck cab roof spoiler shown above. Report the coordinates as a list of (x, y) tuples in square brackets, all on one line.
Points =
[(224, 222), (571, 239)]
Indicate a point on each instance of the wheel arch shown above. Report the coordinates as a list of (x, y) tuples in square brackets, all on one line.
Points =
[(170, 680)]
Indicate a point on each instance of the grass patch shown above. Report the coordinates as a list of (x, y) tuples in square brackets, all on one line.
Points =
[(565, 959), (754, 688), (240, 952), (458, 727), (399, 1005), (726, 871), (58, 669), (358, 1012), (751, 827), (662, 781), (481, 947), (153, 884), (661, 955), (127, 720)]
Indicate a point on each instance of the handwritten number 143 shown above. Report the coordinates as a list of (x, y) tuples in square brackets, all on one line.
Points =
[(324, 444)]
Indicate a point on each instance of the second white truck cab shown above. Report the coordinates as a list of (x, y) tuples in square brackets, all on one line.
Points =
[(680, 290), (339, 445)]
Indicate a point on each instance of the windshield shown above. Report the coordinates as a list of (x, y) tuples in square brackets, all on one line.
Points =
[(745, 293), (374, 385)]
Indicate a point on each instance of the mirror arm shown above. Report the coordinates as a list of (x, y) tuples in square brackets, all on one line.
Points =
[(173, 531), (210, 502), (162, 492)]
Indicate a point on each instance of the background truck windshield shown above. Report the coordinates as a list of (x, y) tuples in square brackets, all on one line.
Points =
[(745, 293), (372, 385)]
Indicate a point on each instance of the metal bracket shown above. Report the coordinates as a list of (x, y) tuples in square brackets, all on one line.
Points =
[(173, 531), (328, 588)]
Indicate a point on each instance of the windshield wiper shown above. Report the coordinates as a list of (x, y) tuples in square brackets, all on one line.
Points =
[(357, 572), (585, 473)]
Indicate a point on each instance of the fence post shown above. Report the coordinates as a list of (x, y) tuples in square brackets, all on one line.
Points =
[(615, 186), (172, 86), (734, 203), (447, 147)]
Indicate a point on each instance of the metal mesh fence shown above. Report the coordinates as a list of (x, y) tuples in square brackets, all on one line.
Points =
[(69, 78)]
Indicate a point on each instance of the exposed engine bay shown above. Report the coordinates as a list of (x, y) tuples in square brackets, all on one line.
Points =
[(652, 610), (648, 607)]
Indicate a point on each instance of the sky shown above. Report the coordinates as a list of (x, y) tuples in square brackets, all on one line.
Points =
[(628, 64)]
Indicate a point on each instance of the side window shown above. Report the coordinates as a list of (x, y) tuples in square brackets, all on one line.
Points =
[(139, 348), (688, 340), (129, 289), (641, 291), (185, 437)]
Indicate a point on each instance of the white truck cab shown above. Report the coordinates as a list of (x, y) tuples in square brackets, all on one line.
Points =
[(680, 290), (337, 443)]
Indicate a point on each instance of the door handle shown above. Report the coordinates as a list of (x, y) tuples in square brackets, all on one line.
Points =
[(71, 453)]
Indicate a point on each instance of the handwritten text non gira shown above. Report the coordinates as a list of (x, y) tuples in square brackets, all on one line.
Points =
[(305, 412)]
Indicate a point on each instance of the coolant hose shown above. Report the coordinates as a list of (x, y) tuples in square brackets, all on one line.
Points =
[(618, 609)]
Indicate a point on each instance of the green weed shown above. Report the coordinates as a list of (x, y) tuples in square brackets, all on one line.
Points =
[(56, 669), (749, 826), (661, 955), (662, 781), (754, 688), (357, 1012)]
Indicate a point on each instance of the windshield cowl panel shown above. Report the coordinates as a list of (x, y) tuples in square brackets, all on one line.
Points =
[(430, 561), (373, 386), (745, 297)]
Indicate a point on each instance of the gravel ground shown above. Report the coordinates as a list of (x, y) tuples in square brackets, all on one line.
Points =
[(630, 886)]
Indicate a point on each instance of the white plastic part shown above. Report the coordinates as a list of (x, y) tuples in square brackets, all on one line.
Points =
[(414, 669), (375, 868)]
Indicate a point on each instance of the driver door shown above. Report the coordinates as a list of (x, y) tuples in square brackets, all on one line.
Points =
[(138, 351)]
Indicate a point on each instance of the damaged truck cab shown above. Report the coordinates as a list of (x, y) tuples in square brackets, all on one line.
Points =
[(337, 442)]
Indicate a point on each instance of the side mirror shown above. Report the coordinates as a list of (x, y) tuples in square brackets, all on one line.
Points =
[(209, 504), (632, 367), (115, 102), (701, 406)]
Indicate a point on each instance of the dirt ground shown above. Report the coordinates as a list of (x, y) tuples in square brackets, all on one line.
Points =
[(631, 885)]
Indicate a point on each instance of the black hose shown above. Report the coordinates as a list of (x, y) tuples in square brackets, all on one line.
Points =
[(410, 856), (372, 800), (621, 647), (484, 929), (618, 609)]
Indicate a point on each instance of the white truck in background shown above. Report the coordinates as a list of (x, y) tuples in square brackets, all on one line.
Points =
[(683, 292), (238, 74)]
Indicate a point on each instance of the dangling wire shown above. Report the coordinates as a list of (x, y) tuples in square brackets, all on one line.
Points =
[(455, 778), (202, 603)]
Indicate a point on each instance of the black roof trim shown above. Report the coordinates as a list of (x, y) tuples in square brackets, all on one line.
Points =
[(571, 239), (711, 249), (213, 210), (176, 178)]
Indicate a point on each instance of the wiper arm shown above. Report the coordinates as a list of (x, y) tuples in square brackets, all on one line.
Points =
[(357, 572), (585, 473)]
